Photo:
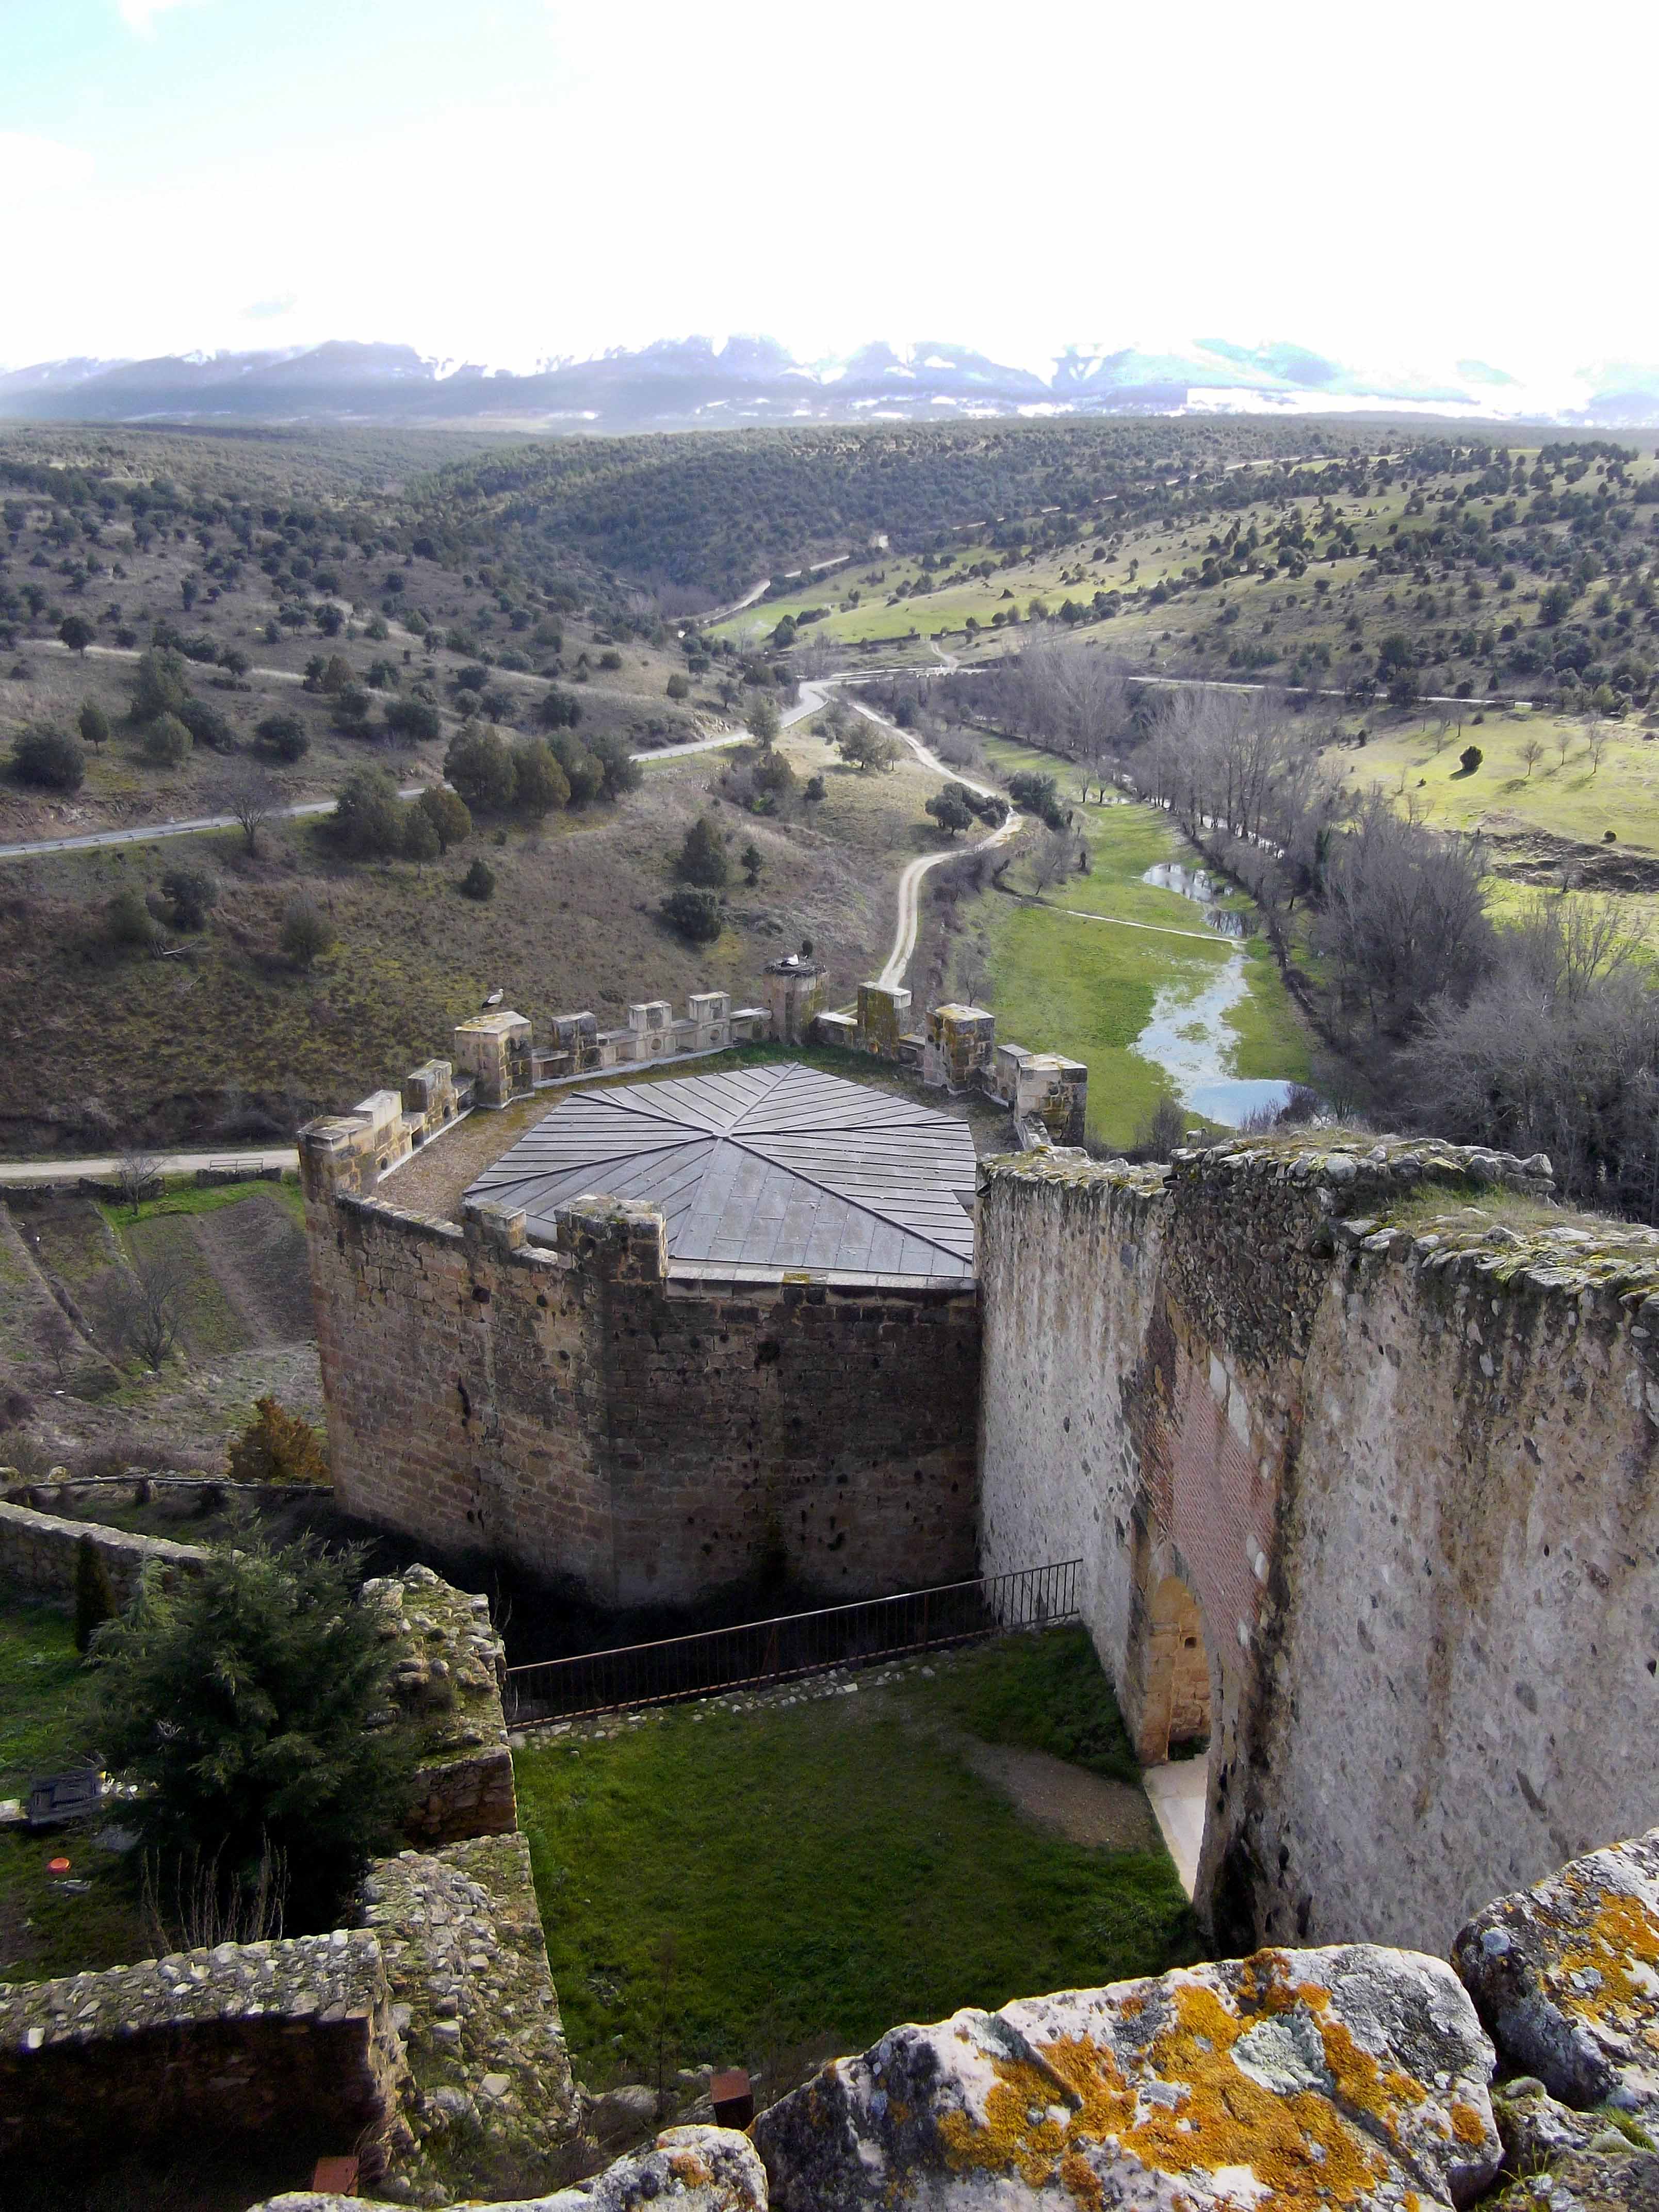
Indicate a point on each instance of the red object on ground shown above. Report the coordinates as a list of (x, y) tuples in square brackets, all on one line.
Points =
[(58, 1866), (335, 2177), (732, 2098)]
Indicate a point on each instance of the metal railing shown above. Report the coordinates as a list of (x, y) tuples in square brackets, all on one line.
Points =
[(791, 1644)]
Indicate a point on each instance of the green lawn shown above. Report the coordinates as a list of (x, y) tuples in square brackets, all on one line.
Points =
[(46, 1717), (1563, 792), (733, 1886)]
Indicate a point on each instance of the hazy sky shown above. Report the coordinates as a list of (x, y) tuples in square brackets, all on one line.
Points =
[(508, 181)]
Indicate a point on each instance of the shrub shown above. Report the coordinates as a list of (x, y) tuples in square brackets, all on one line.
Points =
[(419, 835), (447, 812), (277, 1446), (282, 736), (479, 882), (610, 660), (128, 921), (583, 771), (1470, 759), (161, 684), (51, 758), (207, 727), (191, 893), (693, 915), (815, 788), (618, 769), (273, 1686), (306, 935), (93, 724), (94, 1594), (368, 815), (679, 687), (701, 857), (415, 720), (539, 784), (557, 709), (480, 766), (165, 741)]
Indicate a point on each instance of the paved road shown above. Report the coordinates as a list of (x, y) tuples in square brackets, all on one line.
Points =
[(147, 833), (909, 883), (106, 1168)]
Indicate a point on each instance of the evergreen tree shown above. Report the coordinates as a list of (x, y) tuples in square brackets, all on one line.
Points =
[(250, 1700), (702, 856)]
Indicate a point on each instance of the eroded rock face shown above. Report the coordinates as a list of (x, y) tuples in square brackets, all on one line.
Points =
[(1353, 2077), (687, 2169), (1565, 1976)]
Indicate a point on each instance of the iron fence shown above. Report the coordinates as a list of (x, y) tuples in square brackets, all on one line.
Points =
[(792, 1643)]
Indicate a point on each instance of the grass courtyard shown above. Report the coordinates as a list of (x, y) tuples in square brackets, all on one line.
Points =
[(739, 1886)]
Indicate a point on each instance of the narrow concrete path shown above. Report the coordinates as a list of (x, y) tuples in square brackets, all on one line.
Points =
[(1178, 1792), (105, 1167)]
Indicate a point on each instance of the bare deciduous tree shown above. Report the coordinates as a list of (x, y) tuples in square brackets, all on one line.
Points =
[(1053, 861), (138, 1170), (56, 1338), (141, 1308), (251, 796), (1532, 752)]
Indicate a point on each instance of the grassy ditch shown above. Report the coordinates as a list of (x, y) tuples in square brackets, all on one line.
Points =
[(739, 1886)]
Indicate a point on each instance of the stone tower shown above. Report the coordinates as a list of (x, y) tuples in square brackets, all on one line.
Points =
[(794, 996)]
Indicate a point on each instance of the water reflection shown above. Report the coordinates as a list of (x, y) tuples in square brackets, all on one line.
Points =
[(1195, 884)]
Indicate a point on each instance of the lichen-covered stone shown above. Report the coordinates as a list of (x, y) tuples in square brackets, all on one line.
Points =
[(1537, 2129), (1583, 2182), (1566, 1975), (690, 2169), (1349, 2078)]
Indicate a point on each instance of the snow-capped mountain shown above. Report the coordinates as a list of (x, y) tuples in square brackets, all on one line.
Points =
[(681, 383)]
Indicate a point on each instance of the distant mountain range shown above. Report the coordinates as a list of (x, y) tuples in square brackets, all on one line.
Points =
[(684, 383)]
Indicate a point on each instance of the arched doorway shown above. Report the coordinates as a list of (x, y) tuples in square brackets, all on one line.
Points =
[(1175, 1716), (1175, 1728)]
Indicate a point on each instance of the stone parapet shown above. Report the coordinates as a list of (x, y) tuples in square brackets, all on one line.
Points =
[(294, 2037), (37, 1553)]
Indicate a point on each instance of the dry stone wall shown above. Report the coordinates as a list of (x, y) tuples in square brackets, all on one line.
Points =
[(1407, 1473), (581, 1412), (37, 1552), (294, 2037)]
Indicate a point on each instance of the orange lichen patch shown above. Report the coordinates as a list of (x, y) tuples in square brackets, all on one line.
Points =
[(1297, 2146), (1623, 1933), (1363, 2081), (686, 2166), (1467, 2123)]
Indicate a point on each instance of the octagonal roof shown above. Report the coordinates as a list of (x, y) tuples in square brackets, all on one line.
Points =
[(776, 1167)]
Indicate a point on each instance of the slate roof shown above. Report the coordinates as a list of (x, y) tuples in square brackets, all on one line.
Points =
[(763, 1167)]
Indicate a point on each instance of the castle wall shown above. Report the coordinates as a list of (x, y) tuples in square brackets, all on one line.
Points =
[(1412, 1501), (586, 1414)]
